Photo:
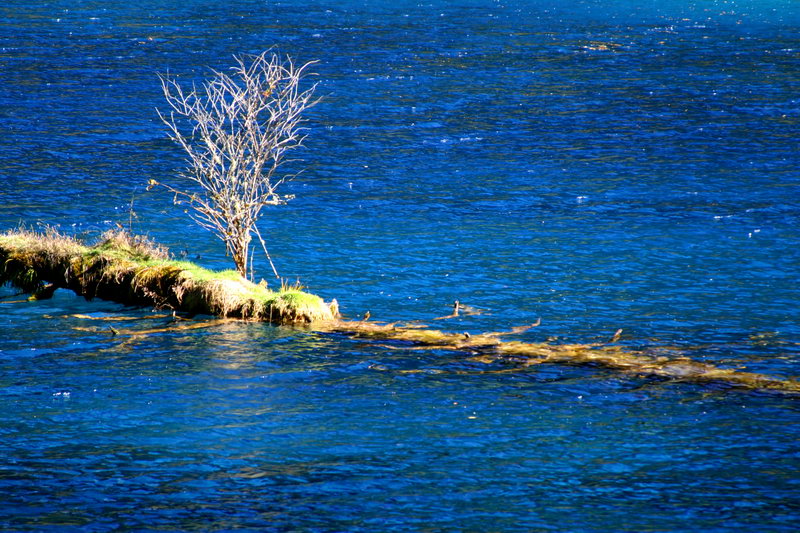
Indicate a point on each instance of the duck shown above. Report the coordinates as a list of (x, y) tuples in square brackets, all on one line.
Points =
[(467, 309)]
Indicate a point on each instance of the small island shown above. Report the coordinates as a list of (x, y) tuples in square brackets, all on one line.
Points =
[(133, 270)]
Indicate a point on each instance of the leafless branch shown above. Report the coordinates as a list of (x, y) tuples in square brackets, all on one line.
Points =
[(236, 130)]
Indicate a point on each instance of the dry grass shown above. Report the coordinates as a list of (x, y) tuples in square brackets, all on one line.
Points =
[(29, 258), (139, 247), (134, 270)]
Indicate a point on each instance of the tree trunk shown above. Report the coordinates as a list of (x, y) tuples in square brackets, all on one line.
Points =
[(239, 251)]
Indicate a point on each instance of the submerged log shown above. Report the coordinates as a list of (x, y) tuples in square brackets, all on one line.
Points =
[(131, 270), (490, 348)]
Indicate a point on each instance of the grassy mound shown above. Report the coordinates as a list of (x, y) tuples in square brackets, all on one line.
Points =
[(132, 270)]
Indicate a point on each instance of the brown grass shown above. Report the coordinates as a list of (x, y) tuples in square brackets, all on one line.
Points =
[(134, 270)]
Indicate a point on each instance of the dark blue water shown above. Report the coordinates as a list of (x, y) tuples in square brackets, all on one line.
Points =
[(601, 165)]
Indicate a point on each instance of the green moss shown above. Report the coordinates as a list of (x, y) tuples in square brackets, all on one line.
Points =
[(293, 297), (10, 240), (25, 278), (203, 274), (134, 270)]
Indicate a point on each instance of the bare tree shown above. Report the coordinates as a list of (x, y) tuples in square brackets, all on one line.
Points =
[(236, 131)]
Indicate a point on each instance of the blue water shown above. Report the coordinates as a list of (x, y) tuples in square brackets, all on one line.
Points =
[(598, 164)]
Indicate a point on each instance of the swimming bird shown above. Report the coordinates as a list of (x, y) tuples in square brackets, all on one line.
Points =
[(454, 314), (522, 329), (616, 336), (366, 316)]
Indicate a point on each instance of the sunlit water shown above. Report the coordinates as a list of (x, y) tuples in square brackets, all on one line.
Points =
[(600, 165)]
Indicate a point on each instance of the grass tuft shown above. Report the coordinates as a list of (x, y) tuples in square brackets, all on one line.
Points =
[(134, 270)]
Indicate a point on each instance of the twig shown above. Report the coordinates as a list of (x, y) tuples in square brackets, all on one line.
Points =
[(264, 246)]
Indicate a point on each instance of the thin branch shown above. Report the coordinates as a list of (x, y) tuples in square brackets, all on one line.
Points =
[(236, 130), (264, 246)]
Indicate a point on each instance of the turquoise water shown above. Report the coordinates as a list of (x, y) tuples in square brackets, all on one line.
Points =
[(600, 165)]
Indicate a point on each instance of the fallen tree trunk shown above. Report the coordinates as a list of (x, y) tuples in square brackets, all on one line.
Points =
[(131, 270), (490, 348)]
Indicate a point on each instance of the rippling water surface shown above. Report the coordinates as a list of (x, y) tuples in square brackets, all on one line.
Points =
[(601, 165)]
